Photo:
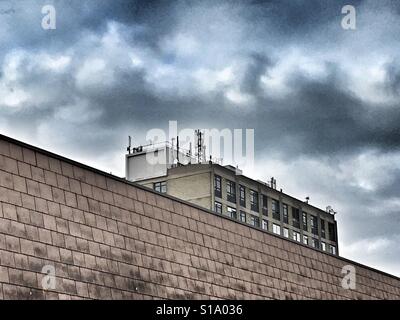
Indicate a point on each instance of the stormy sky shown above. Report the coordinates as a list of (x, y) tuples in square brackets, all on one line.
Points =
[(324, 102)]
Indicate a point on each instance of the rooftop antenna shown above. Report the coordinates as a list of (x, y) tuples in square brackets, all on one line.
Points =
[(129, 144), (199, 147), (177, 149), (189, 154), (172, 149), (273, 183)]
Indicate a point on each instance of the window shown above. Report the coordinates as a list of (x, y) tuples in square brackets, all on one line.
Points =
[(305, 239), (242, 216), (160, 186), (332, 249), (254, 221), (217, 186), (218, 207), (231, 212), (295, 217), (254, 200), (314, 225), (275, 210), (323, 234), (285, 213), (323, 246), (230, 191), (331, 230), (276, 228), (242, 196), (286, 232), (315, 243), (264, 224), (305, 221), (296, 236), (264, 205)]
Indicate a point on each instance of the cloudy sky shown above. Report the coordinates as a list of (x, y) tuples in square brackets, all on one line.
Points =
[(324, 102)]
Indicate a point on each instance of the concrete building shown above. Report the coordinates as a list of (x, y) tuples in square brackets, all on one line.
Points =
[(225, 190)]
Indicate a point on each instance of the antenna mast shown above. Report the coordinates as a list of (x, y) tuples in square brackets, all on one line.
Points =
[(199, 146), (129, 144)]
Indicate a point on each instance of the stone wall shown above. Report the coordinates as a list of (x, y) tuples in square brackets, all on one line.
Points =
[(108, 239)]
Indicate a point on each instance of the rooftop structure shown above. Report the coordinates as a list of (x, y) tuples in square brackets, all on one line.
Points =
[(225, 190)]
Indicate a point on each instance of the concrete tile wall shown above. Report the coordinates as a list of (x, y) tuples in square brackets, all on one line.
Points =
[(108, 239)]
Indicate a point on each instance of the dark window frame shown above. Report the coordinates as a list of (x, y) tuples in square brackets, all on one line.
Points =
[(285, 213), (241, 215), (231, 191), (323, 231), (276, 212), (219, 205), (254, 206), (242, 196), (304, 221), (254, 220), (332, 231), (314, 224), (232, 213), (296, 217), (218, 186), (264, 203), (264, 222), (160, 186)]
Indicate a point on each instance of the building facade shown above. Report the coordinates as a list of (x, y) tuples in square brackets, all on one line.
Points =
[(225, 190)]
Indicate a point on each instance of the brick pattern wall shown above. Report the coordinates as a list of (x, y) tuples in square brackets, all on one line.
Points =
[(108, 239)]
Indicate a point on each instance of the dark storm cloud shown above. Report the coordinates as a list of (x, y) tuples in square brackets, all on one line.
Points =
[(322, 100)]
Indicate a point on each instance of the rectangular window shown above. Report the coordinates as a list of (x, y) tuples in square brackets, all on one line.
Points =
[(275, 209), (305, 227), (314, 225), (242, 196), (160, 186), (230, 191), (285, 214), (217, 186), (295, 217), (218, 207), (323, 246), (264, 224), (231, 212), (254, 221), (305, 239), (332, 249), (286, 232), (323, 234), (315, 243), (276, 229), (242, 216), (254, 200), (264, 205), (296, 236), (331, 230)]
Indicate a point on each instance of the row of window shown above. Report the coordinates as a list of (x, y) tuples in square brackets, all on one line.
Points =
[(255, 221), (275, 208)]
